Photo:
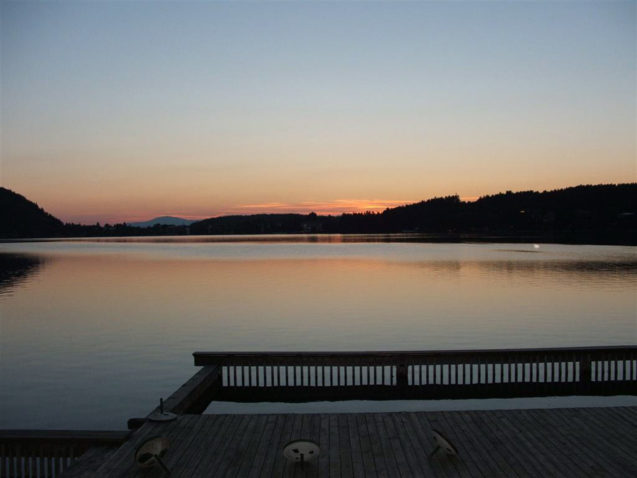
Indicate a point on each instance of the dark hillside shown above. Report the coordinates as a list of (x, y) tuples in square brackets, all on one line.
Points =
[(602, 214), (20, 217)]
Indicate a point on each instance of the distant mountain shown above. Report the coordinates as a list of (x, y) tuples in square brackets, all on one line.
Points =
[(589, 214), (20, 217), (163, 220)]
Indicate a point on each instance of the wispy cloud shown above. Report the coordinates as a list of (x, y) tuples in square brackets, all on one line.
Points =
[(337, 206)]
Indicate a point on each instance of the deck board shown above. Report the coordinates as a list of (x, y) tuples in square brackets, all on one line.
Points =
[(522, 443)]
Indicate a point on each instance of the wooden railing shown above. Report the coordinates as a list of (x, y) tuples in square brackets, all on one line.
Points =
[(309, 376), (49, 453)]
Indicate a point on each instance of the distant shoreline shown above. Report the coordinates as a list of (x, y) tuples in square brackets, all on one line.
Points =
[(587, 214), (327, 238)]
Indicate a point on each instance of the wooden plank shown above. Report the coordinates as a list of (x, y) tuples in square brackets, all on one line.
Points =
[(612, 419), (578, 445), (380, 466), (179, 436), (507, 443), (454, 427), (345, 454), (235, 450), (535, 443), (558, 442), (570, 458), (445, 465), (204, 439), (369, 465), (399, 452), (355, 446), (213, 455), (251, 441), (310, 430), (526, 449), (325, 444), (291, 469), (272, 446), (285, 437), (489, 443), (263, 447), (415, 452), (613, 446), (335, 446), (628, 413)]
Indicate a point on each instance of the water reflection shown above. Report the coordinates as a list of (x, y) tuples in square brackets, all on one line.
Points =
[(116, 323), (17, 268), (294, 238)]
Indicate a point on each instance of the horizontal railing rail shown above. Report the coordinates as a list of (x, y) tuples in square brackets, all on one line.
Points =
[(49, 453), (307, 376)]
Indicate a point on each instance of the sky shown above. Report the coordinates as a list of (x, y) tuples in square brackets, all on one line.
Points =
[(127, 110)]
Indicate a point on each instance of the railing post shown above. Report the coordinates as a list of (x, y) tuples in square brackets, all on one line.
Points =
[(401, 376), (585, 373)]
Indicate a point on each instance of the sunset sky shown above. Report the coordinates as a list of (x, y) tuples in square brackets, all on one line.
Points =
[(118, 111)]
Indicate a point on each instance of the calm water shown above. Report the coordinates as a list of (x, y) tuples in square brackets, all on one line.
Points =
[(94, 332)]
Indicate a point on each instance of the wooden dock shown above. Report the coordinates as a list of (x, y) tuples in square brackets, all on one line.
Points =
[(513, 443), (517, 443)]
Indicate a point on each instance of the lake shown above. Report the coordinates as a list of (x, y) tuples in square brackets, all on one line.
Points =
[(94, 331)]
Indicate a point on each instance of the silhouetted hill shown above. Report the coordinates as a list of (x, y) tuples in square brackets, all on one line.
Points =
[(602, 214), (576, 213), (252, 224), (20, 217), (582, 214)]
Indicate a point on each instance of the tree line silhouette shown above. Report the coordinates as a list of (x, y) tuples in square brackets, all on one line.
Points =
[(582, 214)]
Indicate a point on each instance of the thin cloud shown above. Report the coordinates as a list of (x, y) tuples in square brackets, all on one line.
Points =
[(337, 206)]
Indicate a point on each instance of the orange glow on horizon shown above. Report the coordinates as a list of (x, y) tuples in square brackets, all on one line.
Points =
[(336, 207)]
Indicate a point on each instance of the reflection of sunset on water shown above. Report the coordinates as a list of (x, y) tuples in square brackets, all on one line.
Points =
[(116, 320)]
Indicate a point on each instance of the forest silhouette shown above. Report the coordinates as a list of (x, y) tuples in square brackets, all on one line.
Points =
[(594, 214)]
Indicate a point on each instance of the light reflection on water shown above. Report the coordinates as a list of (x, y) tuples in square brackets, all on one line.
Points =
[(95, 332)]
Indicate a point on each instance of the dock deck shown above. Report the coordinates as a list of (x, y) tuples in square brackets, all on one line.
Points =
[(512, 443)]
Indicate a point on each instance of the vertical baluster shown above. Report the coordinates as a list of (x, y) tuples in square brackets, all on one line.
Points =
[(556, 365), (480, 373), (544, 360)]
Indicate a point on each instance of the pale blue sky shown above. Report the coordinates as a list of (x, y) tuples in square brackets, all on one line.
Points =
[(123, 110)]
